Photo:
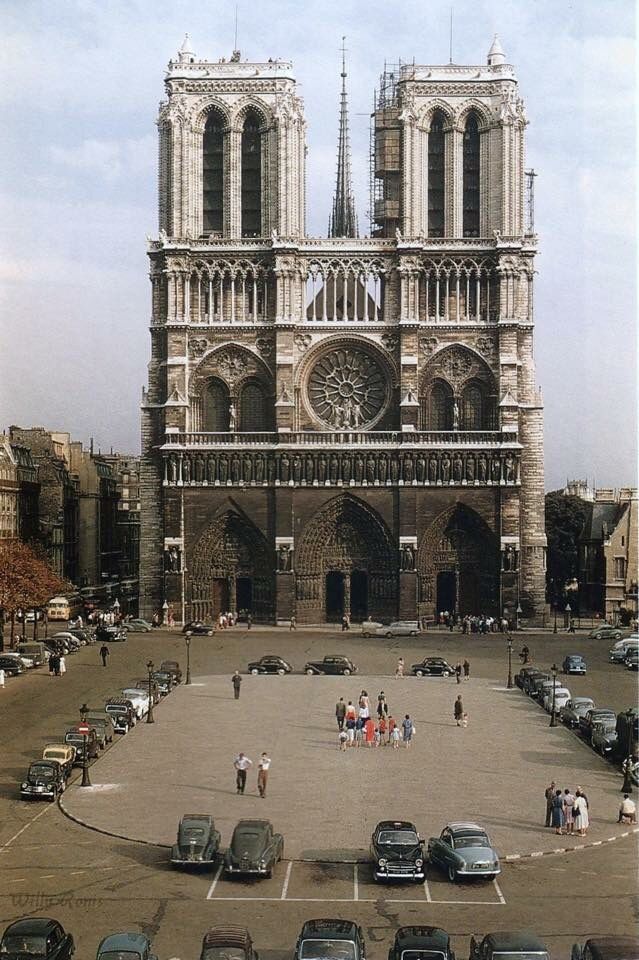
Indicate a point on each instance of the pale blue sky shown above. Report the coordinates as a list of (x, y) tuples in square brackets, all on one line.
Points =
[(80, 81)]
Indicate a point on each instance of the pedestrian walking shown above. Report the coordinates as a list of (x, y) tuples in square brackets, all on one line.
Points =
[(241, 764), (407, 730), (342, 739), (382, 706), (56, 663), (359, 731), (392, 724), (627, 810), (236, 680), (549, 793), (399, 669), (105, 653), (569, 802), (458, 671), (263, 766), (350, 730), (580, 813), (369, 732), (465, 720), (557, 819), (395, 738), (466, 670), (249, 621), (382, 727), (351, 712), (293, 624), (62, 667), (52, 663), (458, 711), (345, 625), (340, 713)]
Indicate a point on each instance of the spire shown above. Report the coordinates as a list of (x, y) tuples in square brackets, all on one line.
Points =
[(185, 54), (496, 53), (343, 219)]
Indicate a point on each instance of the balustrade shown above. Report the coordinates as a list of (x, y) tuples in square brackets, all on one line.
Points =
[(345, 290), (342, 438)]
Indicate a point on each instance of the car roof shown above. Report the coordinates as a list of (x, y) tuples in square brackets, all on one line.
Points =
[(32, 925), (123, 941), (419, 937), (227, 934), (196, 818), (332, 928), (612, 948), (252, 825), (395, 825), (462, 827), (515, 940)]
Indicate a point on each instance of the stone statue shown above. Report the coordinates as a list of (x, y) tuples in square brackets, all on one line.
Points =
[(235, 468), (186, 470), (259, 468), (270, 469), (359, 468), (231, 416), (284, 394), (421, 468), (172, 470), (409, 472), (247, 468), (346, 468), (482, 468), (510, 468), (470, 468), (285, 464), (370, 468), (382, 468), (394, 469), (432, 468), (284, 558), (333, 468), (496, 470), (199, 468), (445, 468), (455, 415), (309, 471), (458, 468), (408, 557), (211, 468), (321, 469), (223, 468), (297, 468), (356, 414), (172, 563)]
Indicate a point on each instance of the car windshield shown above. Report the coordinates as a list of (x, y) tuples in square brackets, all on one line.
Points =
[(34, 946), (462, 843), (223, 953), (192, 833), (521, 954), (327, 950), (41, 771), (119, 955), (422, 954), (407, 837)]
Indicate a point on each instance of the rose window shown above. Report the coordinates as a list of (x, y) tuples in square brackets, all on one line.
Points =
[(347, 389)]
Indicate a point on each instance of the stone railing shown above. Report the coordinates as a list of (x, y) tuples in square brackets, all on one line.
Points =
[(345, 438)]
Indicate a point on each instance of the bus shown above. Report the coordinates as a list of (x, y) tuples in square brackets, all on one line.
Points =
[(64, 608)]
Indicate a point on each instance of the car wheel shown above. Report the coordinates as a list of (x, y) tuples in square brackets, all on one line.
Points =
[(254, 672), (597, 636), (346, 673), (310, 672), (452, 874), (445, 673), (413, 633), (281, 672), (617, 636), (366, 635), (388, 635), (419, 673), (269, 873)]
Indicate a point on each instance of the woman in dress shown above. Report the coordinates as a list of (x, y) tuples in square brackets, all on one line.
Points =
[(569, 802), (369, 732), (580, 812), (557, 813), (63, 666)]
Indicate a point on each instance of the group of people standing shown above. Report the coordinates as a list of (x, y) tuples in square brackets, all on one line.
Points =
[(57, 665), (359, 725), (567, 812)]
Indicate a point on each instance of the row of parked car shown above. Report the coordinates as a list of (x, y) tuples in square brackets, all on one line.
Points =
[(321, 939), (340, 665), (47, 777)]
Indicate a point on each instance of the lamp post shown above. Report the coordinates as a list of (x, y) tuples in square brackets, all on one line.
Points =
[(509, 684), (165, 610), (568, 613), (189, 634), (518, 612), (86, 780), (627, 764), (554, 671), (116, 607), (149, 713)]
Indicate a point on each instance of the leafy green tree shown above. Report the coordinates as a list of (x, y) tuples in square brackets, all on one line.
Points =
[(565, 519)]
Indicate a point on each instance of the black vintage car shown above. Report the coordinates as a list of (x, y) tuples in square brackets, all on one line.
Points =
[(112, 634), (420, 943), (172, 667), (199, 628), (607, 948), (198, 841), (330, 940), (523, 673), (228, 942), (255, 848), (36, 937), (515, 944), (142, 683), (81, 742), (270, 663), (164, 681), (45, 780), (121, 712), (11, 666), (334, 665), (432, 667), (397, 851)]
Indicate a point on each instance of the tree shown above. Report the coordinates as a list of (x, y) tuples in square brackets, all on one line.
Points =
[(565, 519), (27, 581)]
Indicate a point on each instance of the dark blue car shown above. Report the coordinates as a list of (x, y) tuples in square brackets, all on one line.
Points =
[(574, 663)]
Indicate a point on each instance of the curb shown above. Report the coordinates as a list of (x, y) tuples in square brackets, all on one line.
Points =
[(512, 857)]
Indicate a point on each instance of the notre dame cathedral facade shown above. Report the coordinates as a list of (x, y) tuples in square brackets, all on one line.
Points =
[(343, 425)]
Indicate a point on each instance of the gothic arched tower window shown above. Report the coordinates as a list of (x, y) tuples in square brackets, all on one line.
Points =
[(251, 176), (216, 407), (438, 410), (436, 161), (471, 178), (253, 408), (213, 174)]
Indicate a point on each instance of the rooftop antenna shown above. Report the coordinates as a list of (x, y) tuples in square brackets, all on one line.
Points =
[(450, 56)]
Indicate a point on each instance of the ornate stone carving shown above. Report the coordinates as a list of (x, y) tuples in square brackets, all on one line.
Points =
[(347, 388), (198, 346), (390, 341), (303, 341), (428, 344), (232, 363), (264, 346), (456, 364)]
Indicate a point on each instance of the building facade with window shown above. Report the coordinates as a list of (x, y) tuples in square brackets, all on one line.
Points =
[(344, 425)]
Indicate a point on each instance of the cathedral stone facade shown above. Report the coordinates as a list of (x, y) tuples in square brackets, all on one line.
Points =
[(344, 425)]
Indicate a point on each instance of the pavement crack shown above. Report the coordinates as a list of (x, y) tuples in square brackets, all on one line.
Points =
[(153, 927)]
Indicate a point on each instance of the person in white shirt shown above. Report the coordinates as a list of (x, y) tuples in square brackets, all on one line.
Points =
[(241, 764), (262, 773), (627, 810)]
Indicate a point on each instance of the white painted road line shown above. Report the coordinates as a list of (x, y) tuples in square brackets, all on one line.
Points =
[(355, 883), (427, 891), (458, 903), (286, 880), (22, 829), (217, 876), (502, 899)]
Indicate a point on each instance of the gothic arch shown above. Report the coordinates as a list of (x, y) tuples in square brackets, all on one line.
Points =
[(346, 537), (473, 106), (436, 106), (205, 109), (459, 367), (231, 561), (459, 549), (232, 363), (246, 105)]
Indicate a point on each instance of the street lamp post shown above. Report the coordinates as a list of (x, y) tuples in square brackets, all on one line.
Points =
[(554, 671), (568, 613), (509, 684), (165, 610), (627, 764), (116, 607), (149, 713), (519, 612), (189, 634), (86, 780)]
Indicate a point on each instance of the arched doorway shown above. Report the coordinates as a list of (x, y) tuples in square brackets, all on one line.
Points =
[(458, 565), (231, 569), (346, 564)]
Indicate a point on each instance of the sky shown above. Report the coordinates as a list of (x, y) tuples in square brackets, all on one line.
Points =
[(80, 82)]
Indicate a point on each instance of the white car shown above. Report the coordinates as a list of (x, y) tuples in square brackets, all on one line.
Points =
[(562, 696), (27, 662), (139, 698)]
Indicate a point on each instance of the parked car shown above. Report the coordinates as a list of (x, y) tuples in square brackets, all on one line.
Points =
[(270, 664), (464, 850), (84, 636), (574, 663), (228, 941), (26, 662), (591, 716), (254, 849), (606, 948), (621, 649), (122, 713), (515, 944), (330, 940), (63, 754), (575, 708), (36, 650), (632, 660), (44, 781), (523, 673), (331, 665), (198, 842), (71, 642), (432, 667), (125, 946), (139, 699), (164, 682), (142, 683), (36, 937), (199, 628), (562, 696), (425, 943), (110, 634), (397, 851), (399, 628), (100, 732), (605, 632), (77, 740), (536, 687), (531, 678), (603, 737), (137, 625), (103, 724), (11, 665), (172, 667)]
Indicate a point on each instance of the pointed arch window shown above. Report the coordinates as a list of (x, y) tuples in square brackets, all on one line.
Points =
[(438, 409), (251, 176), (471, 178), (216, 407), (436, 164), (213, 175), (253, 408)]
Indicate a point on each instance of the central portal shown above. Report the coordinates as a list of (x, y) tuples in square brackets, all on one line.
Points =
[(446, 591), (334, 596), (359, 595)]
